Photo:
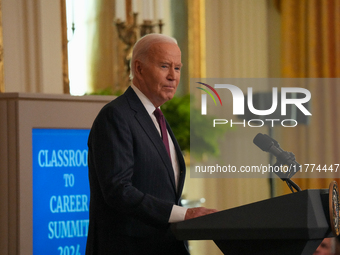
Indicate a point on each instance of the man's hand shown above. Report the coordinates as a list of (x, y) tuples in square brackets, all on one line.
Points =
[(197, 212)]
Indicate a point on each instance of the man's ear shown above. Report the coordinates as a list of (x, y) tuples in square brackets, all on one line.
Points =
[(138, 67)]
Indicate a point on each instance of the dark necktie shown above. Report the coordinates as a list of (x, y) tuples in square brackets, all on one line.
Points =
[(161, 121)]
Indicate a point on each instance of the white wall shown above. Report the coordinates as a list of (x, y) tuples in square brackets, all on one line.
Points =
[(32, 46)]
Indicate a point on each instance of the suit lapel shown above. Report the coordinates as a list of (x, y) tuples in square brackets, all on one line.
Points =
[(181, 162), (143, 118)]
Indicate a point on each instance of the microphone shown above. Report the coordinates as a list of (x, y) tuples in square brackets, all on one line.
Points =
[(268, 144)]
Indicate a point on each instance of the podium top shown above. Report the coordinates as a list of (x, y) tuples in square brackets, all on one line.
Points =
[(303, 215)]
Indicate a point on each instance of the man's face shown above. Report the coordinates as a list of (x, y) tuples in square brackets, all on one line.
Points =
[(159, 75)]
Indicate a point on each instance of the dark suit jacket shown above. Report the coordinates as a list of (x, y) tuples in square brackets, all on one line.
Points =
[(131, 182)]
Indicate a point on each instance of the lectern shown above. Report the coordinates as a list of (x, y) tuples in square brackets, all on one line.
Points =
[(291, 224), (43, 172)]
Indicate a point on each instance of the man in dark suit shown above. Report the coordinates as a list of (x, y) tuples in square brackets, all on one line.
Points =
[(136, 178)]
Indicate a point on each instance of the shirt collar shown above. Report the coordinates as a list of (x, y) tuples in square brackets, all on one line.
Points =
[(145, 101)]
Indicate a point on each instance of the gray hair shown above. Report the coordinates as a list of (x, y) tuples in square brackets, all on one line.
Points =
[(142, 46)]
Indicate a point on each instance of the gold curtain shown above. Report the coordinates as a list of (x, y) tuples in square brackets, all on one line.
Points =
[(64, 43), (105, 50), (196, 39), (311, 49), (107, 60)]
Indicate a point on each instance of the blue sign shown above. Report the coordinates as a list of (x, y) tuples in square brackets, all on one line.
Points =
[(61, 192)]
